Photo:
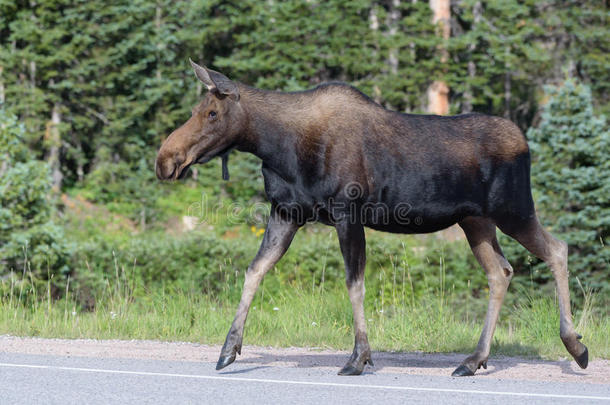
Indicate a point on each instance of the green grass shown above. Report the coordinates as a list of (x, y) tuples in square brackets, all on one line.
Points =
[(423, 294), (303, 317)]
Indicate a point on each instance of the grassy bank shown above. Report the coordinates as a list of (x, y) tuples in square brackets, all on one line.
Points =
[(307, 317), (423, 292)]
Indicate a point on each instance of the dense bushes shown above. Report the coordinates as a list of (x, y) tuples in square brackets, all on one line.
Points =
[(204, 263), (399, 268), (30, 239), (125, 189)]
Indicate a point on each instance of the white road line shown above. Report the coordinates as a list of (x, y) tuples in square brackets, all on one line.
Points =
[(324, 384)]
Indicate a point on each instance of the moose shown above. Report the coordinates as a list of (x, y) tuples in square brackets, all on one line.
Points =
[(330, 152)]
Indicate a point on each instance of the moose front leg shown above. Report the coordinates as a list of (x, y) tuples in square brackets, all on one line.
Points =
[(353, 246), (277, 239)]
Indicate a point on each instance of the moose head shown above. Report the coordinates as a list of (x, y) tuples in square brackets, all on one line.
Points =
[(212, 130)]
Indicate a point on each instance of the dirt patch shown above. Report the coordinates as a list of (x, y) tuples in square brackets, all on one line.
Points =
[(82, 210), (510, 368)]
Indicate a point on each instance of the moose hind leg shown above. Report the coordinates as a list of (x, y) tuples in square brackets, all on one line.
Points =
[(352, 242), (481, 235), (277, 239), (554, 252)]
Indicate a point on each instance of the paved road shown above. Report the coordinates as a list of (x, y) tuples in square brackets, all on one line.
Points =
[(50, 379)]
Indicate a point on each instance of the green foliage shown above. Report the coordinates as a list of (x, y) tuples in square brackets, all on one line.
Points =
[(571, 146), (214, 262), (196, 262), (117, 74), (11, 139), (498, 57), (580, 31), (29, 238), (326, 40), (124, 189)]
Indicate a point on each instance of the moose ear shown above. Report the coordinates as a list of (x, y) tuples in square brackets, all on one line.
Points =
[(216, 82)]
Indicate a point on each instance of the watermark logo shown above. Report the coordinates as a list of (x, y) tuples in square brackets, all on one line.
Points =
[(350, 204)]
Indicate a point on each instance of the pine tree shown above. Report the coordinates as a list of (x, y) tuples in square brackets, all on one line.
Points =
[(499, 58), (418, 62), (570, 173)]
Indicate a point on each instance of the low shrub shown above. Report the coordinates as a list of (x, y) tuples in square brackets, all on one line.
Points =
[(30, 240)]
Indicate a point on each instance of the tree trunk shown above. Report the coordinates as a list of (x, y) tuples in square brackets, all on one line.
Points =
[(33, 74), (374, 26), (54, 140), (438, 92), (158, 23), (394, 19), (143, 217), (4, 163), (438, 98), (412, 44), (507, 95), (413, 54), (472, 68), (1, 86)]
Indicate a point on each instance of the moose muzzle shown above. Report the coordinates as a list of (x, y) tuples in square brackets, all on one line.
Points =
[(170, 165)]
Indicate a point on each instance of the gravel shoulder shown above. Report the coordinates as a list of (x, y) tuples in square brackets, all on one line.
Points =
[(432, 364)]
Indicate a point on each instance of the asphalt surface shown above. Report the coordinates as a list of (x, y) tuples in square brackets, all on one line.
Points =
[(47, 379)]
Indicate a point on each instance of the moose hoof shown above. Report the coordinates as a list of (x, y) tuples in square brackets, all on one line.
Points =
[(462, 371), (230, 349), (224, 361), (576, 349), (227, 356), (356, 363), (583, 359), (349, 369)]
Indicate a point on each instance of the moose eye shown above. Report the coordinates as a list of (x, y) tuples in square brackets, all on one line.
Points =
[(212, 115)]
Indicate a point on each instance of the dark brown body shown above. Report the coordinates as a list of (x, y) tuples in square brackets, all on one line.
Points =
[(444, 168), (332, 155)]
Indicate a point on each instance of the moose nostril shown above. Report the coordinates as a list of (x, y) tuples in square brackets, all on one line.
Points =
[(164, 170), (178, 160)]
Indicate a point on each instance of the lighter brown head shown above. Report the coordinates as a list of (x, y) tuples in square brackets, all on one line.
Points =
[(214, 127)]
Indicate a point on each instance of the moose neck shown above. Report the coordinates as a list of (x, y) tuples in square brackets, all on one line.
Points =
[(275, 121)]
